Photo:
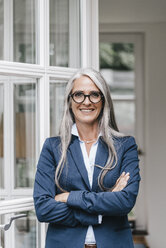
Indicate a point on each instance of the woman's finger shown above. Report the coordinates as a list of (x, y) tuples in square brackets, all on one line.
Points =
[(121, 182)]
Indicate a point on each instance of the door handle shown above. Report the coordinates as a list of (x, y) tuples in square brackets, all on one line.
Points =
[(5, 227)]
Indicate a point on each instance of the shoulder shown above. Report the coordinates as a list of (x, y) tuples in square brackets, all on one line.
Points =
[(123, 139), (52, 142), (124, 142), (51, 150)]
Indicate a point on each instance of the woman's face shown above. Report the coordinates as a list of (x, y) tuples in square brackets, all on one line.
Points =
[(85, 112)]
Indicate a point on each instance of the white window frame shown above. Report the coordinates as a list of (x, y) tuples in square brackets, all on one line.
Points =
[(138, 40), (89, 34)]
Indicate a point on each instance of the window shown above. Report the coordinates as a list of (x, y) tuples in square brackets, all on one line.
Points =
[(20, 35), (59, 33), (1, 137), (57, 90), (24, 31), (64, 33), (1, 28), (25, 231), (1, 232), (25, 132), (44, 42), (18, 22)]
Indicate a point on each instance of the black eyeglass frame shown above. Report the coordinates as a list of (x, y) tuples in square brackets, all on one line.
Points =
[(72, 96)]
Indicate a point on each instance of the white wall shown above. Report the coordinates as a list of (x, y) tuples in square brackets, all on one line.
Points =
[(156, 134), (149, 23), (129, 11)]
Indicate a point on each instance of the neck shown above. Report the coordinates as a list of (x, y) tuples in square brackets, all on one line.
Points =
[(88, 132)]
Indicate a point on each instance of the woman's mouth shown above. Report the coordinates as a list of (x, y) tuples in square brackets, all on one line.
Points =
[(86, 110)]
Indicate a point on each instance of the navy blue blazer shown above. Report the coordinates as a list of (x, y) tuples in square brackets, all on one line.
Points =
[(68, 222)]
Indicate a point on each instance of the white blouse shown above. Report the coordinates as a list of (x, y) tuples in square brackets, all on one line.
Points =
[(89, 164)]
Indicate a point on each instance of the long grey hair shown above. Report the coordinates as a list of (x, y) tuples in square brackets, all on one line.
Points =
[(107, 124)]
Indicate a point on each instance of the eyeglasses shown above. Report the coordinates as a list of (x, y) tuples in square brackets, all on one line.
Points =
[(94, 97)]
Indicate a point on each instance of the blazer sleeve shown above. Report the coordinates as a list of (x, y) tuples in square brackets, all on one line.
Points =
[(47, 209), (112, 203)]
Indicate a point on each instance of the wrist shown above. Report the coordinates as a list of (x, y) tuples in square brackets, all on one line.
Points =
[(62, 197), (65, 197)]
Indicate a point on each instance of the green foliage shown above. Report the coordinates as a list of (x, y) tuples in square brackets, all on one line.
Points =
[(117, 56)]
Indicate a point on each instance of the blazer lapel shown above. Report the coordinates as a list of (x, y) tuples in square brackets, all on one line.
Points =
[(101, 159), (77, 156)]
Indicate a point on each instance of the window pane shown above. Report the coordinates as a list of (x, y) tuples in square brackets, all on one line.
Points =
[(24, 27), (1, 232), (64, 33), (57, 90), (24, 107), (1, 29), (25, 231), (117, 62), (1, 138), (125, 116)]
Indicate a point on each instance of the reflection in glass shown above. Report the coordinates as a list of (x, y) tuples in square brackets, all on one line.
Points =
[(24, 107), (25, 231), (1, 138), (120, 82), (64, 33), (59, 32), (1, 29), (24, 27), (117, 62), (57, 90), (125, 116)]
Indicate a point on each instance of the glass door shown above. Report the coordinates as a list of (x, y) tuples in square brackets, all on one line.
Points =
[(121, 64)]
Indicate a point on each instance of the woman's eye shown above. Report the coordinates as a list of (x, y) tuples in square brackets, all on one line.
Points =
[(95, 94), (78, 94)]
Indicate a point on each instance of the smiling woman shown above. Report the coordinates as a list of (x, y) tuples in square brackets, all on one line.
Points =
[(87, 178)]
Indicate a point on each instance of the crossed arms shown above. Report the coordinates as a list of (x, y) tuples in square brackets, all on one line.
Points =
[(83, 207)]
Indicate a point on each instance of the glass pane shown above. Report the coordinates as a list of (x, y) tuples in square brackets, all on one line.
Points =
[(1, 29), (64, 33), (24, 31), (117, 63), (25, 231), (25, 109), (125, 116), (1, 138), (1, 232), (57, 90)]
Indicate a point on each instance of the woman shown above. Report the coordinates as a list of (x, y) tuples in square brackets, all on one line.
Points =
[(87, 179)]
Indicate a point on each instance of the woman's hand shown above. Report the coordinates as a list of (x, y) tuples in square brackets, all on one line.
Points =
[(62, 197), (121, 182)]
